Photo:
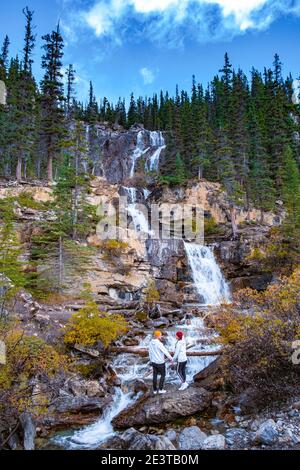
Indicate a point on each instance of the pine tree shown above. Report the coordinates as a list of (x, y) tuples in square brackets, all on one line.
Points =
[(52, 99), (25, 97), (291, 191), (132, 117), (56, 250), (4, 59), (92, 107), (70, 98)]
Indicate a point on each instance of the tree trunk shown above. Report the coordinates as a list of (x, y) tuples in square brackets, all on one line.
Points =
[(19, 169), (61, 266), (145, 352), (50, 168), (233, 221)]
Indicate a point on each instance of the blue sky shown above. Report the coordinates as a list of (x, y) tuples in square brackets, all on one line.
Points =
[(147, 45)]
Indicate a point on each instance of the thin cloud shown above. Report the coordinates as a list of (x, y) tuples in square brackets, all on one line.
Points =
[(169, 21), (148, 75)]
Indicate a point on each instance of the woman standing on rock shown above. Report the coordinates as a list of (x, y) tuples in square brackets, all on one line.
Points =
[(181, 358)]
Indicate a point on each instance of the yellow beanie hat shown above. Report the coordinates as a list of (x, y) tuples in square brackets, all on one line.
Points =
[(157, 334)]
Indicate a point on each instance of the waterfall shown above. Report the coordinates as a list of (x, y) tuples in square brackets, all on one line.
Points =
[(129, 368), (139, 217), (156, 145), (207, 276), (157, 140), (138, 152)]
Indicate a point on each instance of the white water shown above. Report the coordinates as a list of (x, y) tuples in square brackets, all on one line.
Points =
[(157, 140), (212, 288), (139, 216), (138, 152), (130, 367), (157, 145), (208, 279)]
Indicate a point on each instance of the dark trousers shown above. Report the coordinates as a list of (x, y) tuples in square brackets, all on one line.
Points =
[(181, 370), (159, 369)]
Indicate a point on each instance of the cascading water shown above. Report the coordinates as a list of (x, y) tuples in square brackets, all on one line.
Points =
[(207, 276), (212, 289), (138, 152), (139, 217), (157, 140), (156, 146), (130, 367)]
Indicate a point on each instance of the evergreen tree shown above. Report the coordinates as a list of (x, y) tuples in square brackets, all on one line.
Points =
[(291, 191), (52, 99), (70, 98), (4, 58), (24, 100)]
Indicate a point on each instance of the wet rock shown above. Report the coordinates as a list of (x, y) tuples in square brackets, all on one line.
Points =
[(29, 431), (216, 442), (267, 433), (140, 386), (191, 438), (131, 342), (163, 409), (75, 405), (160, 323)]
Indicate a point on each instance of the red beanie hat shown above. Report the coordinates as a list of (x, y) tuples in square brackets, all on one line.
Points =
[(179, 334)]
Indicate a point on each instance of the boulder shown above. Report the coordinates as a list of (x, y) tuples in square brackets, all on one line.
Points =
[(135, 440), (191, 438), (159, 409), (90, 388), (267, 433), (210, 377), (29, 431), (216, 442), (171, 434), (82, 404)]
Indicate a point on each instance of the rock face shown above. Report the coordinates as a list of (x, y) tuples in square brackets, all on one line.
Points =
[(191, 438), (111, 151), (157, 409)]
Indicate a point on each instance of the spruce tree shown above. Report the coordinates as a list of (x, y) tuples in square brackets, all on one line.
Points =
[(52, 99), (4, 59)]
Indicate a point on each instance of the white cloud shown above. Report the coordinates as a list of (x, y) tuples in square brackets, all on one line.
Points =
[(148, 75), (171, 20)]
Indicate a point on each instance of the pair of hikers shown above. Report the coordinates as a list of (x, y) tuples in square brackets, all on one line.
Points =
[(158, 355)]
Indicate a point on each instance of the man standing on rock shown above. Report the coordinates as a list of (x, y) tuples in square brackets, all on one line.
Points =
[(158, 354)]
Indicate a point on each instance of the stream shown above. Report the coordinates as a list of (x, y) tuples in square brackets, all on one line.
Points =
[(130, 368)]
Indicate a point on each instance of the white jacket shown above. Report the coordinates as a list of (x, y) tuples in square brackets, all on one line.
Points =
[(180, 351), (158, 352)]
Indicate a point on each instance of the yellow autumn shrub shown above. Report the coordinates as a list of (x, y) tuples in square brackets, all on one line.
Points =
[(27, 357), (89, 326), (258, 342)]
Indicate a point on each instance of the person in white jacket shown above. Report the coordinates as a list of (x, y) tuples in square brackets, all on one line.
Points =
[(158, 354), (181, 358)]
